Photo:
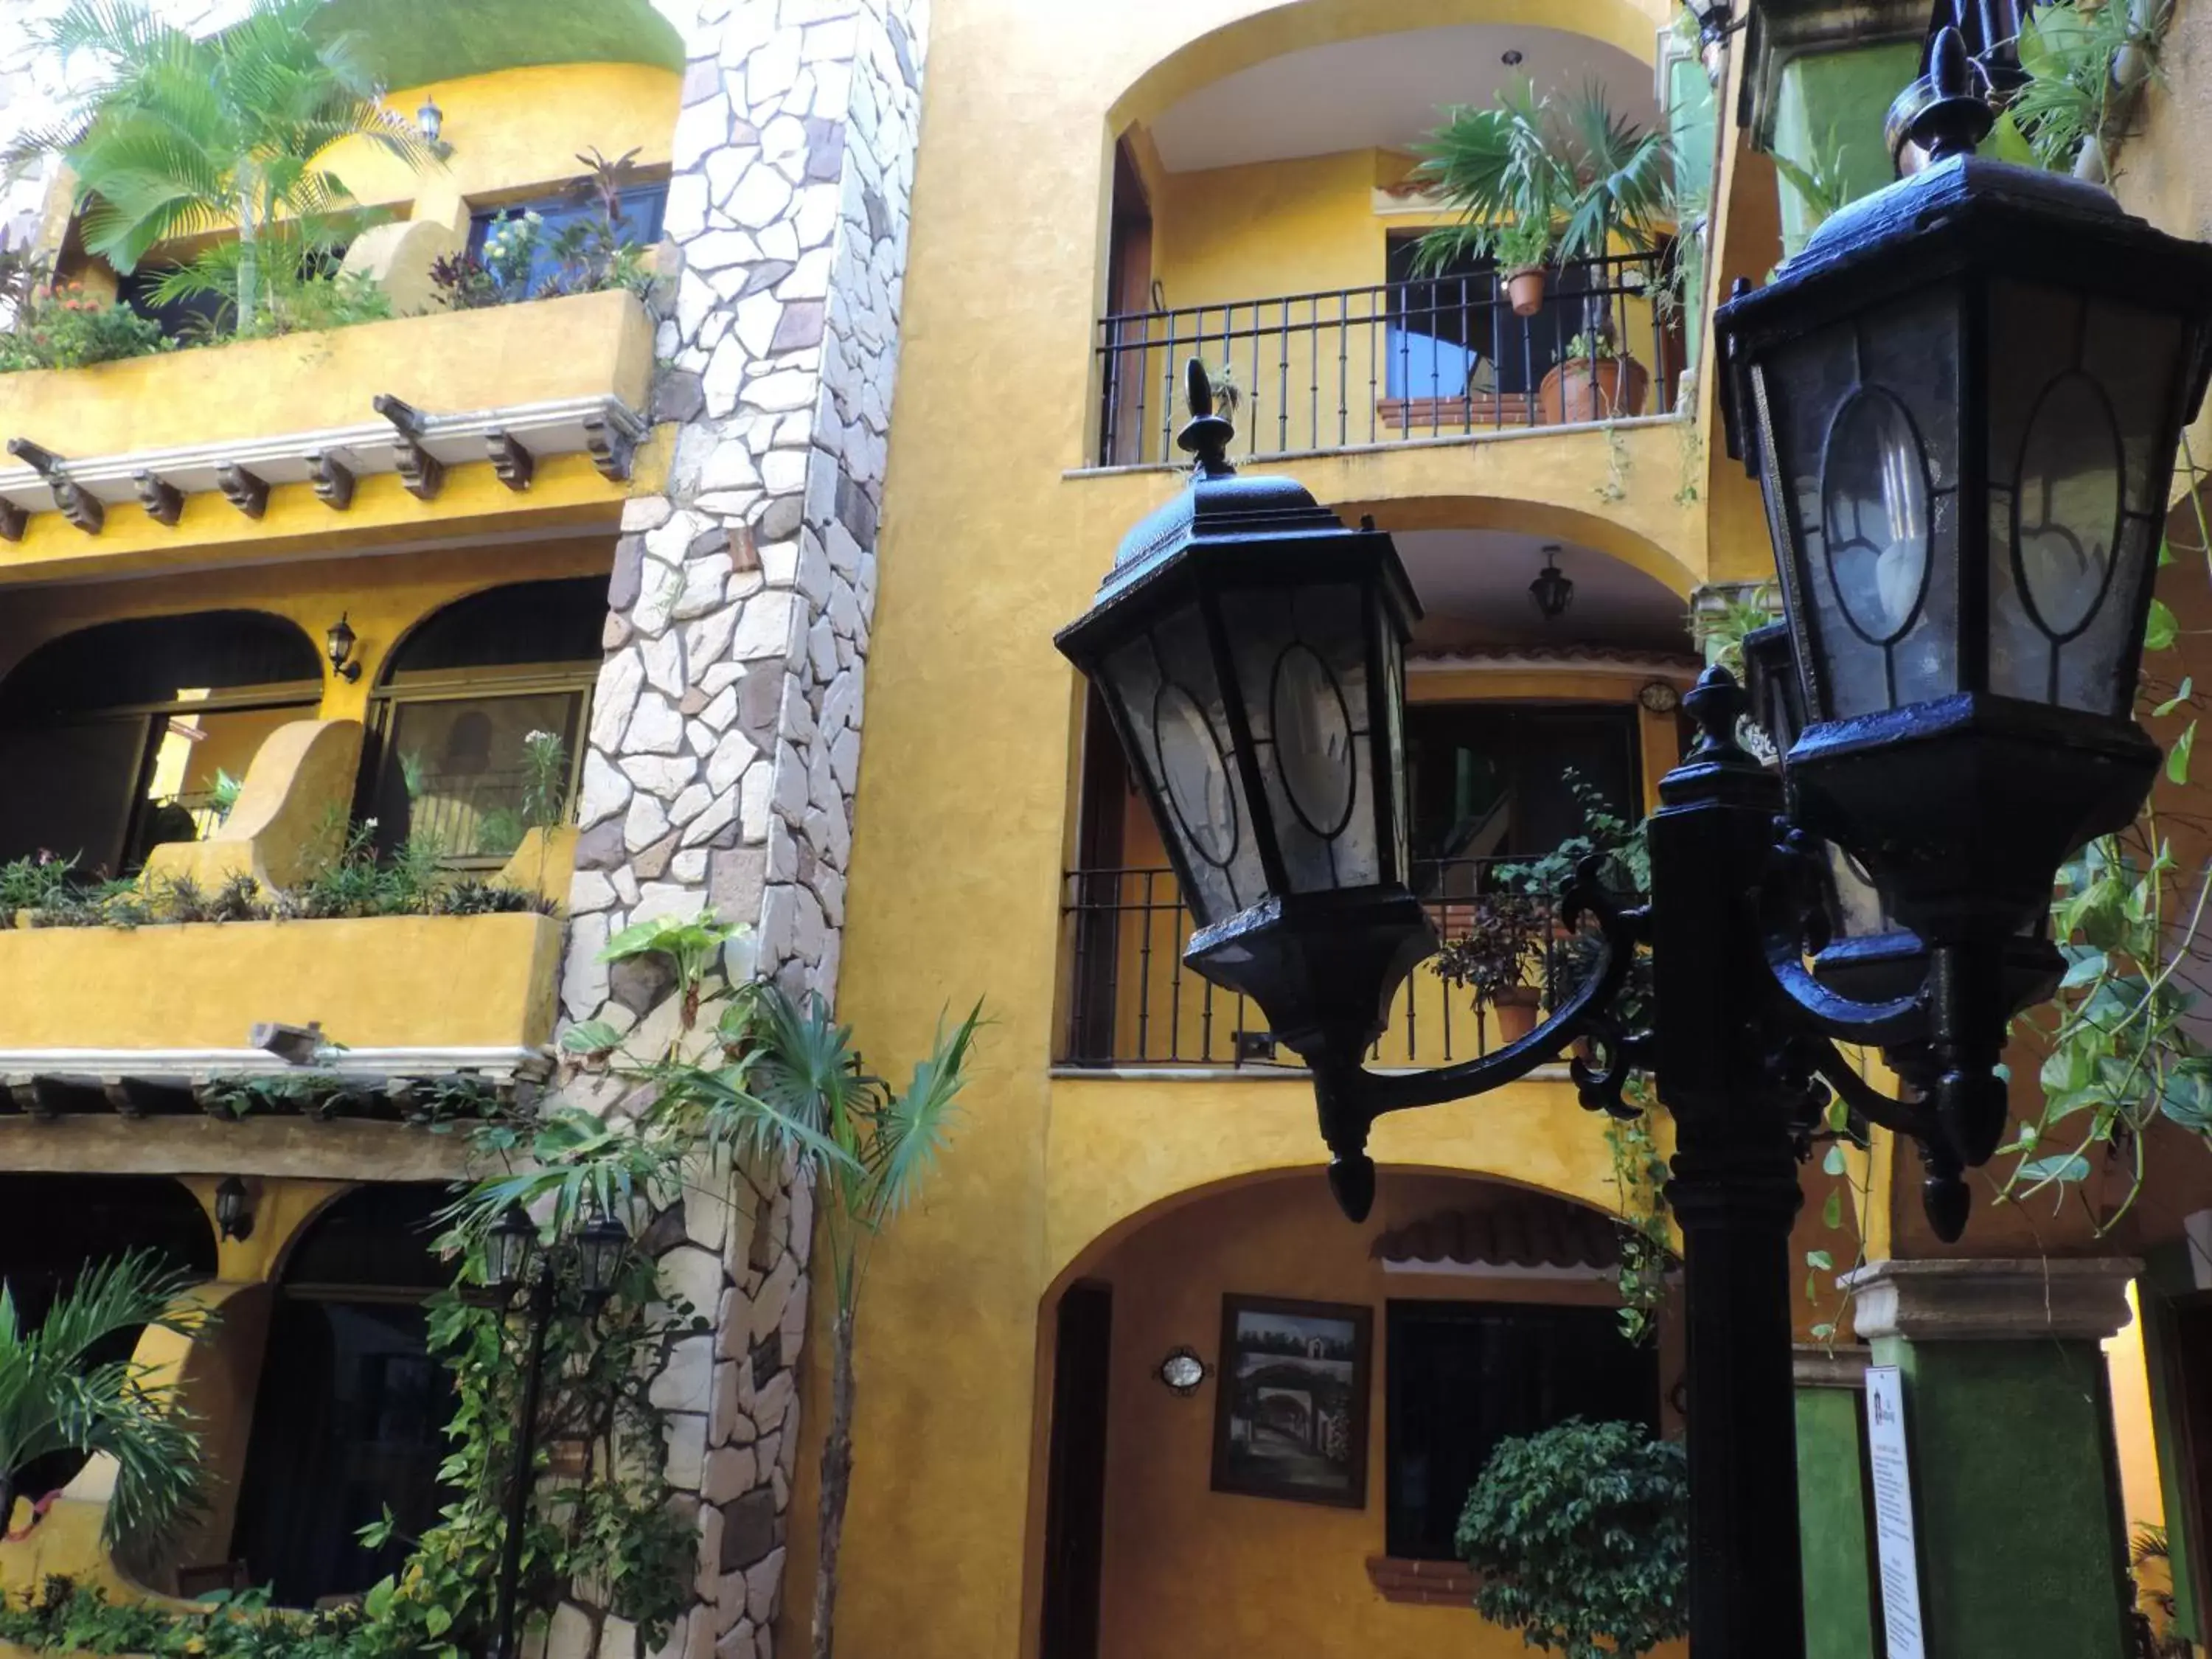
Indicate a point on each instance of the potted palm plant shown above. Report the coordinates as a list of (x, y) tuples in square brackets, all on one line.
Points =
[(1592, 178), (1500, 169)]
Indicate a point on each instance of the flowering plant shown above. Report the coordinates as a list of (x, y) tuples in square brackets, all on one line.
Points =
[(64, 327)]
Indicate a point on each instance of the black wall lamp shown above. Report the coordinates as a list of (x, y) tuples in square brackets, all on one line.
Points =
[(1553, 591), (430, 120), (233, 1210), (339, 641)]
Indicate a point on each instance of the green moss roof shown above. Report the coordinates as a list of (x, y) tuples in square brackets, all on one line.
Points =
[(412, 43)]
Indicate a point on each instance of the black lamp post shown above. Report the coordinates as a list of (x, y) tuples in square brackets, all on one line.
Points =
[(1962, 401), (593, 1259)]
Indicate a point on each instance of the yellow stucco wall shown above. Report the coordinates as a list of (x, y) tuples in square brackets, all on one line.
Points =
[(375, 982), (1227, 1573), (988, 547)]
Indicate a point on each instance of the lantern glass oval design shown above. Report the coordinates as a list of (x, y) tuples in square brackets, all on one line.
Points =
[(2066, 521), (1313, 741), (1874, 515), (1196, 774)]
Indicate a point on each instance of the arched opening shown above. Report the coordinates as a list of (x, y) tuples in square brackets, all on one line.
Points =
[(1356, 1378), (52, 1227), (1524, 735), (477, 721), (138, 731), (1267, 215), (351, 1407)]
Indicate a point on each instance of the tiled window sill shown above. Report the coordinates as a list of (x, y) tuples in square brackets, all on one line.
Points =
[(1422, 1583)]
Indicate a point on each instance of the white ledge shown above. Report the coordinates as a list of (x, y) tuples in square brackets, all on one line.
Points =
[(552, 426), (203, 1064)]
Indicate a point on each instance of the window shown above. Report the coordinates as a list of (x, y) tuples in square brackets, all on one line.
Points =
[(479, 722), (1497, 780), (641, 205), (1462, 1375), (137, 731), (1452, 335)]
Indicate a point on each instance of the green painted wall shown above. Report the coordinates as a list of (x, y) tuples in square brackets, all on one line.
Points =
[(1845, 94), (2017, 1486), (413, 43), (1833, 1521)]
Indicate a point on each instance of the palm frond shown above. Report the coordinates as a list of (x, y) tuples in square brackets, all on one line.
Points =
[(131, 1289), (910, 1128)]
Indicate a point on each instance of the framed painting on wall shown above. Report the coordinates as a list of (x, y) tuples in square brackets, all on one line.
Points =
[(1290, 1404)]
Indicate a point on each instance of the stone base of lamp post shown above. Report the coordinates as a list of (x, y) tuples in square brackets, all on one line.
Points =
[(2008, 1421)]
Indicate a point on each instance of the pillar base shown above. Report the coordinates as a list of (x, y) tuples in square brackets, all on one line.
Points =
[(2015, 1478)]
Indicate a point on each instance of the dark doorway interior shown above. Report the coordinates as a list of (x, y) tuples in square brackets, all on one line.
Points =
[(350, 1415), (1462, 1375), (1075, 1500)]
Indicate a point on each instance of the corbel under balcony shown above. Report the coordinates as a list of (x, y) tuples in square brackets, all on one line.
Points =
[(416, 445)]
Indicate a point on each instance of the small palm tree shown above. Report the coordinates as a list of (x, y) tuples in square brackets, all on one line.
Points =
[(803, 1072), (56, 1394), (175, 136)]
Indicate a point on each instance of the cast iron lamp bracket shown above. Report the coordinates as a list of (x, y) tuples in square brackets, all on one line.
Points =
[(1800, 1021)]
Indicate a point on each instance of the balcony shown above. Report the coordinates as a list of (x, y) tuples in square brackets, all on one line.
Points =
[(1133, 1006), (312, 439), (1397, 362)]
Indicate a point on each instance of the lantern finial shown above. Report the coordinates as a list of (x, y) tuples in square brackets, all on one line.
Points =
[(1205, 438), (1956, 117)]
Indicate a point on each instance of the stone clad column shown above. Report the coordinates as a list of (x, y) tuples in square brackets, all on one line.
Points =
[(2015, 1478), (724, 739)]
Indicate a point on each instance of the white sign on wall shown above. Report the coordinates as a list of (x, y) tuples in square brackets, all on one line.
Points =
[(1895, 1546)]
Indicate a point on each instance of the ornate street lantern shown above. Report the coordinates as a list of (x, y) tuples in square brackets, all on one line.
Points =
[(1249, 648), (1552, 590), (1962, 402), (509, 1243), (600, 1244)]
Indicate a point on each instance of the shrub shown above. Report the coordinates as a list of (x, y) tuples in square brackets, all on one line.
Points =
[(1580, 1538), (65, 327)]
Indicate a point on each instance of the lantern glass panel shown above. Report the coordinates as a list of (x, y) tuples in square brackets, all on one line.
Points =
[(2080, 388), (1302, 667), (1865, 453), (1170, 706), (1392, 655)]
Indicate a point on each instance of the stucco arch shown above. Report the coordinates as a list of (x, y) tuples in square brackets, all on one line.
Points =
[(1629, 25), (1087, 1260), (1595, 531), (1119, 1149)]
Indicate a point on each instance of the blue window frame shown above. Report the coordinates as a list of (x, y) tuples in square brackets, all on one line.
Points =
[(642, 206)]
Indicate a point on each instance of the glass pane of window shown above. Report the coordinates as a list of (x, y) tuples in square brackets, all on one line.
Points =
[(1500, 780), (198, 763), (1452, 335), (471, 775), (1465, 1375), (640, 219)]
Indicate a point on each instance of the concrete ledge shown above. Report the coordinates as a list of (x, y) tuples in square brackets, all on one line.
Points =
[(2003, 1300), (1820, 1367), (283, 1147)]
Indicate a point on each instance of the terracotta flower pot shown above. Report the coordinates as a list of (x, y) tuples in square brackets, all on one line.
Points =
[(1524, 289), (1516, 1010), (1580, 390)]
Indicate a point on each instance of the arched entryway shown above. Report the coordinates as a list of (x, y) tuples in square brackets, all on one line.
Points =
[(351, 1408), (137, 732), (52, 1227), (1356, 1379)]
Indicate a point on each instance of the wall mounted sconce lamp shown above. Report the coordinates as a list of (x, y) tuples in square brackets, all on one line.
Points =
[(1182, 1370), (233, 1210), (430, 119), (339, 641)]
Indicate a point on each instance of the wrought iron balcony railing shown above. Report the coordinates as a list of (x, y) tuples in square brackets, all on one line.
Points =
[(1440, 357), (1131, 1002)]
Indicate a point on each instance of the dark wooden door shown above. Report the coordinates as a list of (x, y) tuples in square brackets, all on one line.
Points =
[(1075, 1495)]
